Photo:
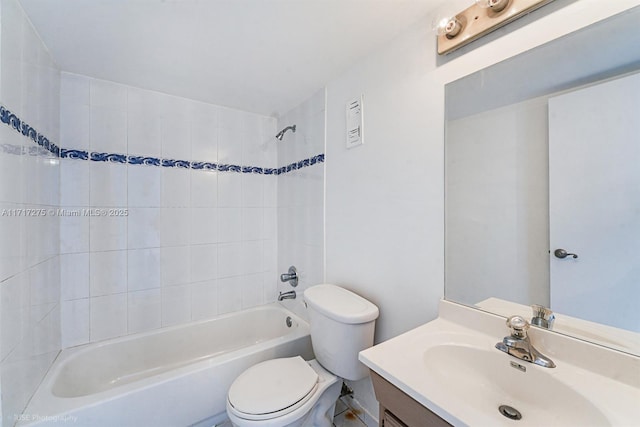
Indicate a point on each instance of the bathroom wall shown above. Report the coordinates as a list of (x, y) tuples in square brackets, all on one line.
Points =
[(384, 199), (29, 185), (301, 196), (483, 229), (169, 240)]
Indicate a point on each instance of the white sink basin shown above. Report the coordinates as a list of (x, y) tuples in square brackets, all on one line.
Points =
[(486, 380), (451, 366)]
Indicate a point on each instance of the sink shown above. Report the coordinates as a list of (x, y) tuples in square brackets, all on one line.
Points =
[(486, 380), (451, 366)]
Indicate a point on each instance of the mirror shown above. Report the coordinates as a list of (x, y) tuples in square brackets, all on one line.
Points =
[(542, 153)]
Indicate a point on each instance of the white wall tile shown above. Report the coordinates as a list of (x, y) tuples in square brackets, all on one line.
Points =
[(253, 148), (74, 89), (30, 293), (270, 255), (229, 146), (229, 260), (144, 186), (108, 184), (270, 223), (108, 273), (74, 183), (251, 257), (74, 234), (270, 191), (107, 233), (74, 276), (108, 130), (204, 140), (75, 322), (144, 310), (146, 100), (11, 166), (229, 224), (230, 119), (176, 138), (229, 190), (176, 304), (175, 228), (252, 291), (175, 265), (204, 189), (204, 225), (143, 132), (204, 262), (143, 269), (143, 228), (44, 289), (108, 94), (252, 223), (14, 312), (252, 190), (75, 124), (204, 300), (176, 187), (12, 250), (108, 316), (229, 295)]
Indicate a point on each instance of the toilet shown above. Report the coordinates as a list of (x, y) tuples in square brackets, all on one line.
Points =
[(292, 392)]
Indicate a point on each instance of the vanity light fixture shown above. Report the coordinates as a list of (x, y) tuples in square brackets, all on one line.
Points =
[(479, 19)]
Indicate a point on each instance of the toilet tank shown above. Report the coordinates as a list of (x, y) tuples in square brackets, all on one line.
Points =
[(342, 324)]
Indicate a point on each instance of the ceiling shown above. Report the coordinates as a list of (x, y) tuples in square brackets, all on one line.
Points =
[(264, 56)]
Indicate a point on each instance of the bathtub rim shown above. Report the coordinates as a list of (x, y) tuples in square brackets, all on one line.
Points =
[(45, 403)]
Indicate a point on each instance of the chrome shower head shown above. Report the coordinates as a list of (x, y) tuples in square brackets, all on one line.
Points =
[(280, 134)]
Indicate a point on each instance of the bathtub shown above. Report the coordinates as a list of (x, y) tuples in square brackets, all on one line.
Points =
[(176, 376)]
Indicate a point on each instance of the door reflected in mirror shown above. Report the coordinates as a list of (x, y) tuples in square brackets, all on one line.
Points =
[(542, 194)]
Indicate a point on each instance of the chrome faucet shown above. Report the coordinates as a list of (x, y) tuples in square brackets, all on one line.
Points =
[(518, 344), (542, 317), (287, 295)]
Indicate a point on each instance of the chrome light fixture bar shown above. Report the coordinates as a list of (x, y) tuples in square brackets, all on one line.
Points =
[(479, 19)]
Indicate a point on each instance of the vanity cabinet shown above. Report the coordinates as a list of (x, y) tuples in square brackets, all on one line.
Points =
[(397, 409)]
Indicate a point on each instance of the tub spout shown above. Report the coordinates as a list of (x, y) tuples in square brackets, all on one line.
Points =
[(287, 295)]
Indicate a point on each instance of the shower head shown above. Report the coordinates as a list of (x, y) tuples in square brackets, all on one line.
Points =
[(280, 134)]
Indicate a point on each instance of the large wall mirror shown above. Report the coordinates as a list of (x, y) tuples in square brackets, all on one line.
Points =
[(543, 184)]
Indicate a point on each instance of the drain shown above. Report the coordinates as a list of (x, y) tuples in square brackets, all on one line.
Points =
[(289, 321), (510, 412)]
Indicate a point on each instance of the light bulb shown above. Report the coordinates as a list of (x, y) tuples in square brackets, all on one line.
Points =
[(494, 5), (449, 27)]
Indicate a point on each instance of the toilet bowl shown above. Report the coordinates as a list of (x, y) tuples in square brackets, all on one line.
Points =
[(292, 392), (305, 396)]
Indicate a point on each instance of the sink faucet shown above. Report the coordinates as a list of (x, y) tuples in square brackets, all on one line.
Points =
[(287, 295), (542, 317), (518, 344)]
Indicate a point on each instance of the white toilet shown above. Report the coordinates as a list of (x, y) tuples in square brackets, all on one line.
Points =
[(291, 392)]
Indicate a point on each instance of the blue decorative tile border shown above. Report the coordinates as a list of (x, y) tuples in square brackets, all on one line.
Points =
[(46, 146), (10, 119)]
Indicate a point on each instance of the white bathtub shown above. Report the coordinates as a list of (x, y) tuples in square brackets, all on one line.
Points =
[(176, 376)]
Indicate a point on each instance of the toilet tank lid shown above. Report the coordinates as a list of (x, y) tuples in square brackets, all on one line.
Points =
[(340, 304)]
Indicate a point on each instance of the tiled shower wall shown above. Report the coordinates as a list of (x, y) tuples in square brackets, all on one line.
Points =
[(164, 244), (29, 267), (301, 194)]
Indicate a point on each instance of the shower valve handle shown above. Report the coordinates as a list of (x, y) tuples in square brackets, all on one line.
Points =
[(291, 276)]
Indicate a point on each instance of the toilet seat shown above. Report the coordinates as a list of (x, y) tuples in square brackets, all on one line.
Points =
[(273, 388)]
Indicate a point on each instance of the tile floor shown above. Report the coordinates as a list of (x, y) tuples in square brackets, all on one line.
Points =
[(346, 416)]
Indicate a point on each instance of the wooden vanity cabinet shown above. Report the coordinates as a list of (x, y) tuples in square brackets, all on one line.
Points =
[(397, 409)]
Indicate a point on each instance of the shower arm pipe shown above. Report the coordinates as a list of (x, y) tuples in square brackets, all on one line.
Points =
[(280, 134)]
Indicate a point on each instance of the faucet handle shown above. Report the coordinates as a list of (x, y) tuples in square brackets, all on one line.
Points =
[(518, 326)]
